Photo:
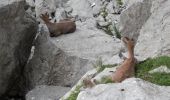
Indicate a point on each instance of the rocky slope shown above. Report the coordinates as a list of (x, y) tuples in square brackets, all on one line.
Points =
[(147, 22), (56, 64), (63, 60)]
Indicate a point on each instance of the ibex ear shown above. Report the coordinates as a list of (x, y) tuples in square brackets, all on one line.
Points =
[(125, 39)]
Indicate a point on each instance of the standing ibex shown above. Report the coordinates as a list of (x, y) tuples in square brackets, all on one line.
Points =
[(62, 27), (127, 68)]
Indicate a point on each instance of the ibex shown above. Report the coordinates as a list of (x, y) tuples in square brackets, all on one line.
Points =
[(62, 27), (127, 68)]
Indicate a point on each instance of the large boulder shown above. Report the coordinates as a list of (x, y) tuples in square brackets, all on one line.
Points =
[(17, 32), (134, 17), (154, 34), (130, 89)]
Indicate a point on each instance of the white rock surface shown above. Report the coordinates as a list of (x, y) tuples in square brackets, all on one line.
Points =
[(154, 35), (161, 69), (89, 73), (130, 89), (82, 8), (133, 18)]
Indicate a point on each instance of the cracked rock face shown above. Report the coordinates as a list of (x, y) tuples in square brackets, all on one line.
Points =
[(17, 31)]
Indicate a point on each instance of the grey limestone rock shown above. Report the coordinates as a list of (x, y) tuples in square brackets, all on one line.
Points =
[(17, 32)]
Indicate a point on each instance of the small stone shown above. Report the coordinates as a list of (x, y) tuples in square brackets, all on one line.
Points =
[(122, 89), (161, 69)]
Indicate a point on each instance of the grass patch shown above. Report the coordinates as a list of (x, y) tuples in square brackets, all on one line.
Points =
[(119, 2), (144, 67), (108, 29), (117, 32), (106, 80), (74, 94), (103, 12), (98, 65)]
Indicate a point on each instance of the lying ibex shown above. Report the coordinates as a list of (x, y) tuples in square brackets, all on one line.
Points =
[(62, 27), (127, 68)]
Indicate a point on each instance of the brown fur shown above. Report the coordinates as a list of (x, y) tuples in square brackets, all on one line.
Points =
[(126, 69), (62, 27)]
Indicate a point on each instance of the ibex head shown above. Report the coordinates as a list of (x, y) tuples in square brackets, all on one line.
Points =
[(129, 42), (45, 17)]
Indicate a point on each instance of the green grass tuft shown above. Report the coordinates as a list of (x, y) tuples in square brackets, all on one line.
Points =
[(103, 12), (98, 65), (119, 2), (101, 68), (117, 32), (106, 80), (74, 94), (144, 67), (108, 30)]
